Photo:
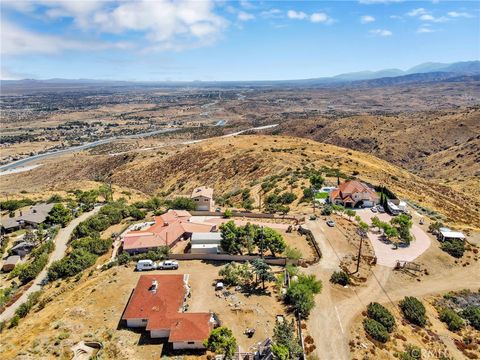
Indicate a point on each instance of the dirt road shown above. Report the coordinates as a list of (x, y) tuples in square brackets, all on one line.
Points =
[(336, 308), (61, 241)]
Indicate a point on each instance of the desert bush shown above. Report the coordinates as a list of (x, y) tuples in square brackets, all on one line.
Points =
[(376, 330), (413, 310), (472, 314), (456, 248), (411, 352), (381, 314), (340, 277), (452, 319)]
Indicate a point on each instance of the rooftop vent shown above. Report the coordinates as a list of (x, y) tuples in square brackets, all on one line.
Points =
[(154, 286)]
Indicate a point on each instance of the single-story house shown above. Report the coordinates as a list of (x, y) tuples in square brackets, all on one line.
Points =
[(203, 197), (157, 304), (10, 263), (22, 248), (206, 243), (26, 217), (354, 194), (396, 206), (445, 234), (167, 230)]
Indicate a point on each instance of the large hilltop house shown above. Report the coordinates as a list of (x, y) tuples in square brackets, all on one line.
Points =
[(354, 194), (26, 218), (203, 197), (168, 229), (158, 304)]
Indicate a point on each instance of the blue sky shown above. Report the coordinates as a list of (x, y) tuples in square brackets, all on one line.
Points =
[(230, 40)]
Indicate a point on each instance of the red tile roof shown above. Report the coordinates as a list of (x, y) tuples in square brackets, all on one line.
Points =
[(168, 228), (162, 308), (348, 188)]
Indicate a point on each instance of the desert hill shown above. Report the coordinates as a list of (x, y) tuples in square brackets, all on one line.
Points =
[(439, 145), (233, 163)]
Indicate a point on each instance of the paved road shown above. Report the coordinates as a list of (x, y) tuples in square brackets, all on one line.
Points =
[(61, 241), (336, 309)]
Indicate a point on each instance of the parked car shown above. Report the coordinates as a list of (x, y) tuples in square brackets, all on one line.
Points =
[(168, 265), (145, 265), (331, 223), (380, 209), (374, 209)]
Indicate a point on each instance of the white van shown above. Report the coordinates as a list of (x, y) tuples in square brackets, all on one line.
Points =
[(146, 265)]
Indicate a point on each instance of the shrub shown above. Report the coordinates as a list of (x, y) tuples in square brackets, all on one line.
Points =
[(381, 314), (452, 319), (413, 310), (472, 314), (340, 277), (59, 215), (292, 253), (78, 260), (93, 245), (327, 210), (221, 340), (376, 330), (25, 308), (31, 271), (182, 203), (14, 321), (411, 352), (456, 248), (227, 214), (123, 258)]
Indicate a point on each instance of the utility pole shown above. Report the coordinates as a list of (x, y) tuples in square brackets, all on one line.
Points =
[(362, 235)]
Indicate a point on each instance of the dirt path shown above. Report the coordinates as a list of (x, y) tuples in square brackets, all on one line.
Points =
[(61, 241), (336, 308)]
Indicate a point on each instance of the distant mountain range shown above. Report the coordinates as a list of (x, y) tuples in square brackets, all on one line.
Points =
[(427, 72)]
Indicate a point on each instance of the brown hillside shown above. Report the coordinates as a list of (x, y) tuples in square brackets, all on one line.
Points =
[(229, 164)]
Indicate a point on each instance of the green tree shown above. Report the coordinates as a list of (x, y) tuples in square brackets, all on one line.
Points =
[(221, 340), (262, 271), (246, 236), (182, 203), (105, 191), (350, 213), (413, 310), (270, 239), (381, 314), (316, 181), (229, 242), (340, 277), (286, 345), (472, 314), (235, 274), (376, 330), (300, 298), (59, 215)]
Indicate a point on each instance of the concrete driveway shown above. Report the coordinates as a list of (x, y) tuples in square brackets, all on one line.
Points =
[(61, 241), (385, 253)]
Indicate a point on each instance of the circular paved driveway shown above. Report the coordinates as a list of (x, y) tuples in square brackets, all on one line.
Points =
[(385, 253)]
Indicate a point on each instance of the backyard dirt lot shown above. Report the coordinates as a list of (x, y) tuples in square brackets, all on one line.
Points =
[(92, 307)]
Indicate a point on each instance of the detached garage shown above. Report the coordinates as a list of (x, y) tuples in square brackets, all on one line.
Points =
[(206, 243)]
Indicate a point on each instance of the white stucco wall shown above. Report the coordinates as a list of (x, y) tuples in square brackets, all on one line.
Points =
[(163, 333), (137, 322), (185, 345)]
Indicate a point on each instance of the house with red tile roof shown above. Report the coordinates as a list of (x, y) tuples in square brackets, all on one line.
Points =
[(157, 304), (353, 194), (167, 230), (203, 197)]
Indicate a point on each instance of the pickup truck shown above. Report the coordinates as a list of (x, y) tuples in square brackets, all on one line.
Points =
[(167, 265)]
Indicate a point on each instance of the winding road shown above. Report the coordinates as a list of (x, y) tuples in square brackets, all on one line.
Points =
[(61, 241)]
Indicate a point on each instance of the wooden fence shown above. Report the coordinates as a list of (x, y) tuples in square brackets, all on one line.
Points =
[(226, 257), (297, 220)]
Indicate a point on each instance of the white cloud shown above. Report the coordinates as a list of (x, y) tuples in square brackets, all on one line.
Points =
[(297, 15), (18, 41), (272, 13), (320, 18), (425, 30), (367, 19), (243, 16), (428, 17), (381, 32), (455, 14), (166, 24), (417, 12)]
